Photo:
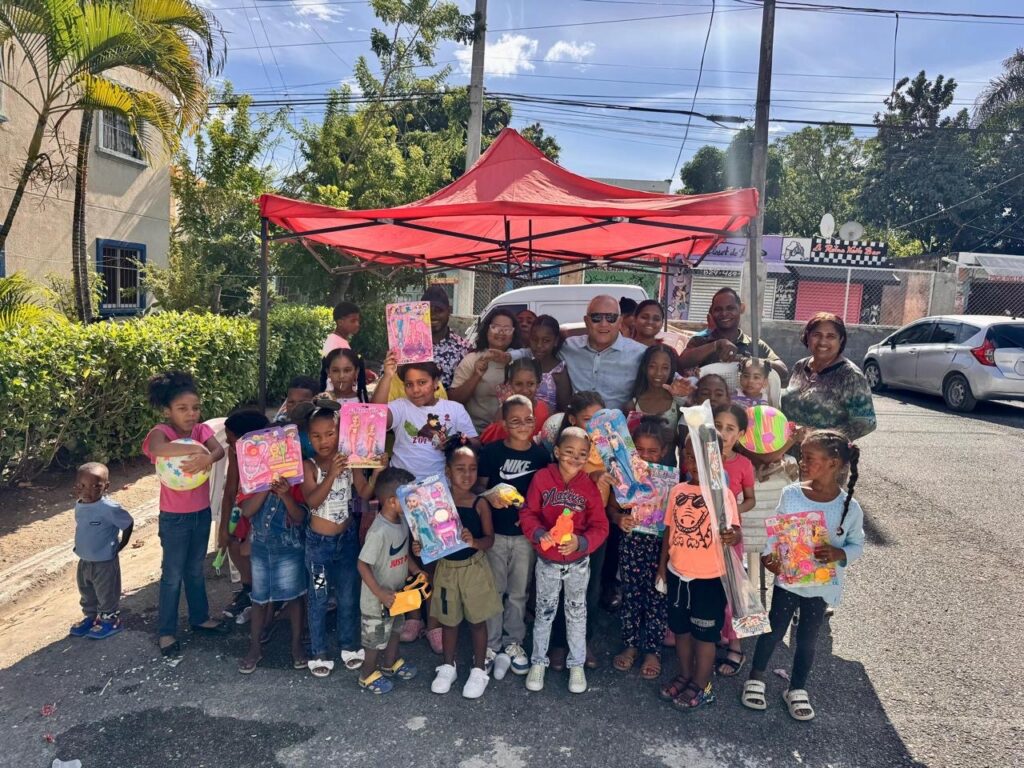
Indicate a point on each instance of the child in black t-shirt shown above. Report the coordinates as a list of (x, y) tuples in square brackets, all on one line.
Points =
[(513, 460)]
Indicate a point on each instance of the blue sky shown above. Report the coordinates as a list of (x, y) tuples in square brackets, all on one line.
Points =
[(828, 66)]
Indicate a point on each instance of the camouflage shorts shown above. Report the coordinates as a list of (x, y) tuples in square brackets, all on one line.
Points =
[(377, 630)]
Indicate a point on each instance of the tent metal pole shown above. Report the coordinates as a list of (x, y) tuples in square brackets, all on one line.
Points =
[(529, 231), (264, 308)]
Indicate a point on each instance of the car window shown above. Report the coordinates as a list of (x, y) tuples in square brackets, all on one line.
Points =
[(1004, 336), (966, 331), (945, 333), (915, 334)]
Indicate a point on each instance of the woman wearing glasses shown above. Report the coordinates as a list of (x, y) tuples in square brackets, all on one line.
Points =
[(482, 371)]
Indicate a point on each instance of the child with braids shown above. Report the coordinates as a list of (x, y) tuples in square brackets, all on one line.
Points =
[(824, 456), (346, 377)]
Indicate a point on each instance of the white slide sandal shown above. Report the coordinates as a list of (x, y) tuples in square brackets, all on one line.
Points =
[(799, 704), (754, 695)]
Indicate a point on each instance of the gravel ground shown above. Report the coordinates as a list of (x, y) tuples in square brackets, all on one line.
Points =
[(920, 664)]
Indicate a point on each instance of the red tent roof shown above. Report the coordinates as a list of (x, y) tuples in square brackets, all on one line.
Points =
[(515, 203)]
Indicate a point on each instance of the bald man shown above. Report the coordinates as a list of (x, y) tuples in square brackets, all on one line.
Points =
[(604, 360)]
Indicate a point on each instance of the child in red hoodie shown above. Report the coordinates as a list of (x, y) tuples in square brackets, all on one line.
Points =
[(564, 564)]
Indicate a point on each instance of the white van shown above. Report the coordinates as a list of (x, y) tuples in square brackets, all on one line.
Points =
[(566, 303)]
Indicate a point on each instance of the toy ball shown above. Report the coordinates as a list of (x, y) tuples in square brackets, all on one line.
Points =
[(171, 475), (767, 430)]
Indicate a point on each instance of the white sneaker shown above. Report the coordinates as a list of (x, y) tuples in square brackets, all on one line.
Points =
[(476, 684), (577, 680), (535, 680), (489, 658), (501, 664), (353, 659), (446, 675), (520, 662)]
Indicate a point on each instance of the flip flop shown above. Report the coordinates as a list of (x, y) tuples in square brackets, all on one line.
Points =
[(246, 667)]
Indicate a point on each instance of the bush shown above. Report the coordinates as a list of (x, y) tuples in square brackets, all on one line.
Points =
[(73, 393)]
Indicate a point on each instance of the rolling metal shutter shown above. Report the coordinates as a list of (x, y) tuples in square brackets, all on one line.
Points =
[(705, 287)]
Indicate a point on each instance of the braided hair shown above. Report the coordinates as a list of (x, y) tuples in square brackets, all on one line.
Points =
[(836, 444), (357, 362)]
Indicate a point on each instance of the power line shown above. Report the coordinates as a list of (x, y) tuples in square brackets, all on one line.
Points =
[(693, 102), (962, 202)]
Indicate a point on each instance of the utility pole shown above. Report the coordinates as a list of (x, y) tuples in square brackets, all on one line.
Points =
[(759, 172), (466, 286)]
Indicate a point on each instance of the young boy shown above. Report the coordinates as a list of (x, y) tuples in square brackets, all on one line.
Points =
[(346, 325), (98, 519), (513, 460), (301, 389), (627, 316), (384, 563), (753, 380)]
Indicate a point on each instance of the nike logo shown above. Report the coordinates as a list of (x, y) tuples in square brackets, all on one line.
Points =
[(513, 476), (396, 550)]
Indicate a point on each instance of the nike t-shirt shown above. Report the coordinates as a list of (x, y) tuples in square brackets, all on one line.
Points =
[(386, 551), (501, 464)]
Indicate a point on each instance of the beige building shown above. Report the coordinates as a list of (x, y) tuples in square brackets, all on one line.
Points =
[(127, 207)]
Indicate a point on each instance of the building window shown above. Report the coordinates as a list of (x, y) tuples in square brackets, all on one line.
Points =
[(116, 136), (118, 265)]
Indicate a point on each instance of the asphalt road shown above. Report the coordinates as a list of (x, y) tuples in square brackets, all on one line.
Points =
[(920, 665)]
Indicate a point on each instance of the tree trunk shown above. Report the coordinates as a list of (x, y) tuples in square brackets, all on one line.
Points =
[(31, 162), (79, 249)]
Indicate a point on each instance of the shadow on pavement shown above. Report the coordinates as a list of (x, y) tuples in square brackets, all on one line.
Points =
[(119, 704)]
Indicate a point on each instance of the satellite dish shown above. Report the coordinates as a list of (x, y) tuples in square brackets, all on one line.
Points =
[(827, 226), (851, 230)]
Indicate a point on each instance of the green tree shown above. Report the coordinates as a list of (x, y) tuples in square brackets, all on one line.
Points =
[(704, 172), (1005, 94), (821, 173), (535, 134)]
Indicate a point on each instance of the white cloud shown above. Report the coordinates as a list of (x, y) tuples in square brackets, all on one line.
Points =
[(319, 11), (505, 58), (565, 50)]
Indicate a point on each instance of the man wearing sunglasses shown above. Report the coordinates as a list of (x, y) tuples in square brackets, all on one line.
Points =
[(604, 360)]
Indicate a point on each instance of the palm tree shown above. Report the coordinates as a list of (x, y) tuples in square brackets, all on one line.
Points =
[(179, 32), (20, 304), (72, 47), (1004, 92)]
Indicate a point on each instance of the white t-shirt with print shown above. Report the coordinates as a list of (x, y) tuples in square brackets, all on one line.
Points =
[(420, 429)]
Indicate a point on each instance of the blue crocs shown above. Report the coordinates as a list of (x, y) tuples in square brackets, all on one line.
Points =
[(81, 629), (401, 669)]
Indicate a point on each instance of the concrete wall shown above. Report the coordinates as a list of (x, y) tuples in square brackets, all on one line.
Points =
[(128, 200)]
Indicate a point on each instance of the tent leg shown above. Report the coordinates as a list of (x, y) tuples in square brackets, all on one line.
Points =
[(264, 309)]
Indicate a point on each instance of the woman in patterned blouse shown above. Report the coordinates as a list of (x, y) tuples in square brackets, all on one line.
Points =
[(826, 390)]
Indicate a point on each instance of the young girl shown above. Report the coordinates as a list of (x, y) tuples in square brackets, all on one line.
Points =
[(513, 460), (649, 323), (278, 571), (731, 423), (713, 388), (824, 456), (643, 612), (463, 584), (657, 392), (420, 421), (563, 564), (185, 516), (346, 376), (332, 544), (545, 342), (522, 377), (691, 567), (753, 379)]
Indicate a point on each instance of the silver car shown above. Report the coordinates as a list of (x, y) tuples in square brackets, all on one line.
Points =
[(964, 358)]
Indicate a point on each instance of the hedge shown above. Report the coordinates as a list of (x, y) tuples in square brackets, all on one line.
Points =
[(71, 393)]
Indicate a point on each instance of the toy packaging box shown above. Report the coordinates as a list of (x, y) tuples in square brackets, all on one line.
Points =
[(614, 445), (648, 509), (267, 454), (433, 520), (362, 429), (409, 334), (795, 537)]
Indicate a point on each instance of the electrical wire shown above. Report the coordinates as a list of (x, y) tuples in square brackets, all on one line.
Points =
[(696, 89)]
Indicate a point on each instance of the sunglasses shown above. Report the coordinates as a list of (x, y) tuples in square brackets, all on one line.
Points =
[(608, 317), (501, 330)]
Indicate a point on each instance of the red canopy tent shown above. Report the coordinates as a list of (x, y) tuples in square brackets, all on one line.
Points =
[(512, 207)]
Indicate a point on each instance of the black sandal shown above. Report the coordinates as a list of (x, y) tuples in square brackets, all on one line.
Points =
[(169, 651), (734, 666), (221, 628)]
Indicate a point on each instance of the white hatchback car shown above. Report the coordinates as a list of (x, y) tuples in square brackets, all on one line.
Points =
[(963, 358)]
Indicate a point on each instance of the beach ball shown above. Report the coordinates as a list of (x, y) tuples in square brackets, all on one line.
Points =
[(767, 429), (171, 475)]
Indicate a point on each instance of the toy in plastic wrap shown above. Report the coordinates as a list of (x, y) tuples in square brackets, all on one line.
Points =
[(749, 617), (795, 537), (648, 510), (768, 429), (560, 532), (409, 331), (430, 512), (268, 454), (218, 561), (362, 429), (505, 493), (411, 596), (614, 445), (171, 475)]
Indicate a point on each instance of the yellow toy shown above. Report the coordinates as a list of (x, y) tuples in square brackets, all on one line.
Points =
[(411, 596), (506, 493)]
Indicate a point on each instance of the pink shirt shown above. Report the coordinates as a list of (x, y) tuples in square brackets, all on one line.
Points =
[(741, 473), (181, 502), (332, 342)]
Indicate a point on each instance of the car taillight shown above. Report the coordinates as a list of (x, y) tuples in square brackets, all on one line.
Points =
[(986, 353)]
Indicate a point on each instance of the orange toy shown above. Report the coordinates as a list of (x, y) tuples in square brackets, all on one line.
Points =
[(561, 532)]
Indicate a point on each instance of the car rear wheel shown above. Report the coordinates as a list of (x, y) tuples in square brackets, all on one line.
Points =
[(956, 391), (874, 376)]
